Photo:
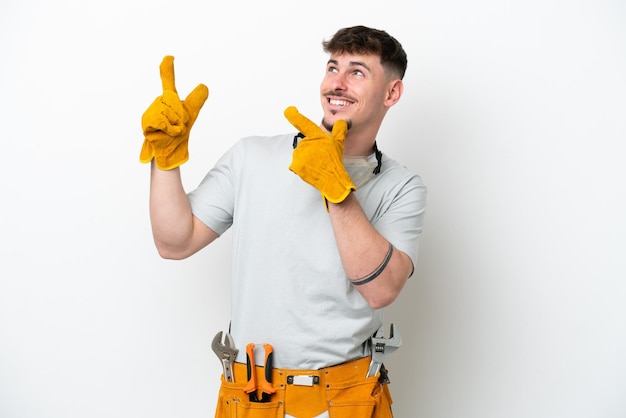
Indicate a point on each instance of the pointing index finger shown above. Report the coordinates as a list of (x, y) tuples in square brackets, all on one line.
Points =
[(167, 73), (300, 122)]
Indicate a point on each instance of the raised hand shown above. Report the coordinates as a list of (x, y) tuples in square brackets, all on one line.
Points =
[(167, 122)]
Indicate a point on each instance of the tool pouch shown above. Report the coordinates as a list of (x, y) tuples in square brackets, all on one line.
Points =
[(232, 402), (342, 390), (368, 399)]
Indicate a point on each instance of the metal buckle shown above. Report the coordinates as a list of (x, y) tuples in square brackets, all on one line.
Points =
[(303, 380)]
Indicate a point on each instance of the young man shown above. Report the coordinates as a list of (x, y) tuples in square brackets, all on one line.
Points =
[(325, 232)]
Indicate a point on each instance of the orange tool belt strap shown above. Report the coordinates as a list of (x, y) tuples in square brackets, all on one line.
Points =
[(342, 390)]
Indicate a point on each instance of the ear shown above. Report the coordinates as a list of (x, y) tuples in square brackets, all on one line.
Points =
[(394, 92)]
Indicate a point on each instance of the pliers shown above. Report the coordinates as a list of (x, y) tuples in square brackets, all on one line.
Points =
[(266, 383)]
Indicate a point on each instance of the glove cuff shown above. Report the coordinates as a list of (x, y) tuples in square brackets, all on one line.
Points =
[(166, 159), (147, 152)]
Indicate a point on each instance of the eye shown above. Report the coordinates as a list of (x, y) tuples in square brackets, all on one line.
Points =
[(358, 73), (332, 69)]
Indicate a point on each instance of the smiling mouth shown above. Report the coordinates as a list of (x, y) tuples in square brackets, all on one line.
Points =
[(338, 99), (338, 102)]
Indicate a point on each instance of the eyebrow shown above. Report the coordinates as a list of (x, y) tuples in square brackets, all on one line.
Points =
[(351, 64)]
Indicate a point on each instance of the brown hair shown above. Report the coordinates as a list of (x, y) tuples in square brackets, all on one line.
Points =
[(363, 40)]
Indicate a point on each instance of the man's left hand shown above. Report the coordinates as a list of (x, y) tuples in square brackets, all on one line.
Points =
[(318, 157)]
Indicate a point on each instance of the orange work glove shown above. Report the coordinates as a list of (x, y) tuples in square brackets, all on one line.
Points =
[(318, 157), (167, 122)]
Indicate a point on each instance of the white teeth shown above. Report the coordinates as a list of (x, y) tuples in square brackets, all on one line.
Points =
[(335, 102)]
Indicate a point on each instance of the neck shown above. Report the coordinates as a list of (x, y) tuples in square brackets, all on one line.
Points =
[(359, 144)]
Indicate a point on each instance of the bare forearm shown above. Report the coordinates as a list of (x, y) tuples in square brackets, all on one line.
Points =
[(170, 212), (363, 250)]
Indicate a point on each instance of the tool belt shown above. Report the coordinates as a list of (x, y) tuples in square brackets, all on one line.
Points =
[(343, 390)]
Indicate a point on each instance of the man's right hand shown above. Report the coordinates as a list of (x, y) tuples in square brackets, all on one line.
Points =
[(167, 122)]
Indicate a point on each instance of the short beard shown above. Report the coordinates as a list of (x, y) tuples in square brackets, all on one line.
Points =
[(329, 126)]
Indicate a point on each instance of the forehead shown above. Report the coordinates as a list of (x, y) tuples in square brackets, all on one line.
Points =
[(370, 61)]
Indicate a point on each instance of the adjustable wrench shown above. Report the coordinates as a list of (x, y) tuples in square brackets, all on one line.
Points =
[(382, 347), (226, 352)]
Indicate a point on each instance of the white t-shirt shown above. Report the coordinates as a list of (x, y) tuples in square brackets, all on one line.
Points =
[(288, 286)]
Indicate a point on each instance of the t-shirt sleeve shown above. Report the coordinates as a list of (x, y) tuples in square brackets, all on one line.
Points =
[(213, 201), (402, 220)]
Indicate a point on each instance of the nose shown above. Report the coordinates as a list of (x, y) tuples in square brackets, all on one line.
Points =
[(337, 82)]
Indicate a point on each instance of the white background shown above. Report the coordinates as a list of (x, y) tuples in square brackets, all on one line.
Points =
[(514, 114)]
